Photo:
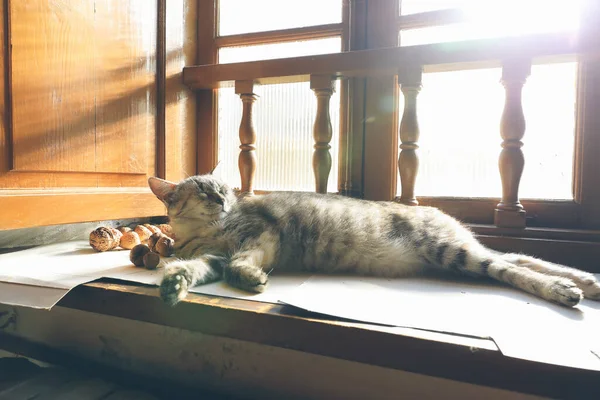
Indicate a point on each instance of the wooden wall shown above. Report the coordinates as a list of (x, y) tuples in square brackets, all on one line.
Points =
[(92, 105)]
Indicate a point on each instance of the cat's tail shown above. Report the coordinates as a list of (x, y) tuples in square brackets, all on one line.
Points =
[(480, 261)]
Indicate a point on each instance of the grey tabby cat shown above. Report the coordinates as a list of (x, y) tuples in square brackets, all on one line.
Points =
[(218, 236)]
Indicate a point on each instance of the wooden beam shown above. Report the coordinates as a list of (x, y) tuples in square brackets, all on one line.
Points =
[(434, 57), (36, 208)]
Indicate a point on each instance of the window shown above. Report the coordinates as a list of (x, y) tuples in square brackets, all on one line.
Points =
[(245, 16), (459, 106), (459, 111), (284, 114)]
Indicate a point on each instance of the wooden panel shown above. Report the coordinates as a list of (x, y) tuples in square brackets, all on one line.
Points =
[(83, 92), (53, 85), (24, 209), (125, 68), (89, 66)]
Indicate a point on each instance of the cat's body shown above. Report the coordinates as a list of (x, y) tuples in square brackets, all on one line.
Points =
[(242, 241)]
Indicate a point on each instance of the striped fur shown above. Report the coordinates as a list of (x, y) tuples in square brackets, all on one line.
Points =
[(218, 236)]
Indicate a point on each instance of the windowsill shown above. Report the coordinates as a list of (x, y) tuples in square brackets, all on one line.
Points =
[(470, 360)]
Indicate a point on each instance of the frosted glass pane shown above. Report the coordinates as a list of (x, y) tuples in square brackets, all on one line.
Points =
[(283, 119), (279, 50), (459, 115), (489, 19), (244, 16)]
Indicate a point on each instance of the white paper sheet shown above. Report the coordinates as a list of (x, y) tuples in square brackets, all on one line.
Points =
[(41, 276), (522, 325), (278, 286)]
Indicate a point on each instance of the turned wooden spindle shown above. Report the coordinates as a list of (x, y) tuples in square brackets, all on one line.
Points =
[(409, 79), (509, 212), (247, 158), (323, 86)]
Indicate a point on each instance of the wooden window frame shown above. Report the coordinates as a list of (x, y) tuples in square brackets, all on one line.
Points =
[(581, 212), (368, 150)]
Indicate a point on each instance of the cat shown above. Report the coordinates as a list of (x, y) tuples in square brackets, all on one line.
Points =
[(218, 236)]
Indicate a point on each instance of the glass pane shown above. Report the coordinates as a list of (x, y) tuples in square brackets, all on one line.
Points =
[(283, 119), (244, 16), (498, 19), (459, 115), (280, 50), (419, 6)]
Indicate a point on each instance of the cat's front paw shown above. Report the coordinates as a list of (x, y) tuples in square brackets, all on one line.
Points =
[(566, 292), (247, 277), (175, 283)]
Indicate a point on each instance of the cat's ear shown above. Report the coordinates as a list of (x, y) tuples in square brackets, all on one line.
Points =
[(161, 188), (216, 171)]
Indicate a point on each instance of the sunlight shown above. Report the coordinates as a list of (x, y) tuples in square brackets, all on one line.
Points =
[(487, 19)]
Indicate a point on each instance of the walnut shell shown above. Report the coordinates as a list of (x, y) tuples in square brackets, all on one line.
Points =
[(124, 229), (151, 260), (166, 230), (103, 239), (129, 240), (152, 228), (116, 233), (143, 232), (136, 255), (153, 239), (164, 246)]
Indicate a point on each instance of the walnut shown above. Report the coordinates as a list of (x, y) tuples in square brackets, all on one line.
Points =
[(136, 255), (103, 239), (166, 229), (116, 233), (129, 240), (124, 229), (164, 246), (153, 239), (143, 232), (151, 260), (152, 228)]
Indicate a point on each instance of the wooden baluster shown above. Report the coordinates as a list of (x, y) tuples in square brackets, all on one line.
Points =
[(409, 79), (509, 212), (247, 158), (323, 86)]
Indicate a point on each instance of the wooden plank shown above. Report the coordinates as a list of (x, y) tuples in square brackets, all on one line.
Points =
[(280, 36), (438, 56), (161, 89), (181, 116), (206, 100), (555, 213), (38, 209)]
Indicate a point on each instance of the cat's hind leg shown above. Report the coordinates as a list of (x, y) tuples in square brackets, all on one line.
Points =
[(180, 275), (473, 259), (584, 280), (248, 265)]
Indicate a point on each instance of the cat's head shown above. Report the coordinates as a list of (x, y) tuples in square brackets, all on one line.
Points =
[(198, 197)]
